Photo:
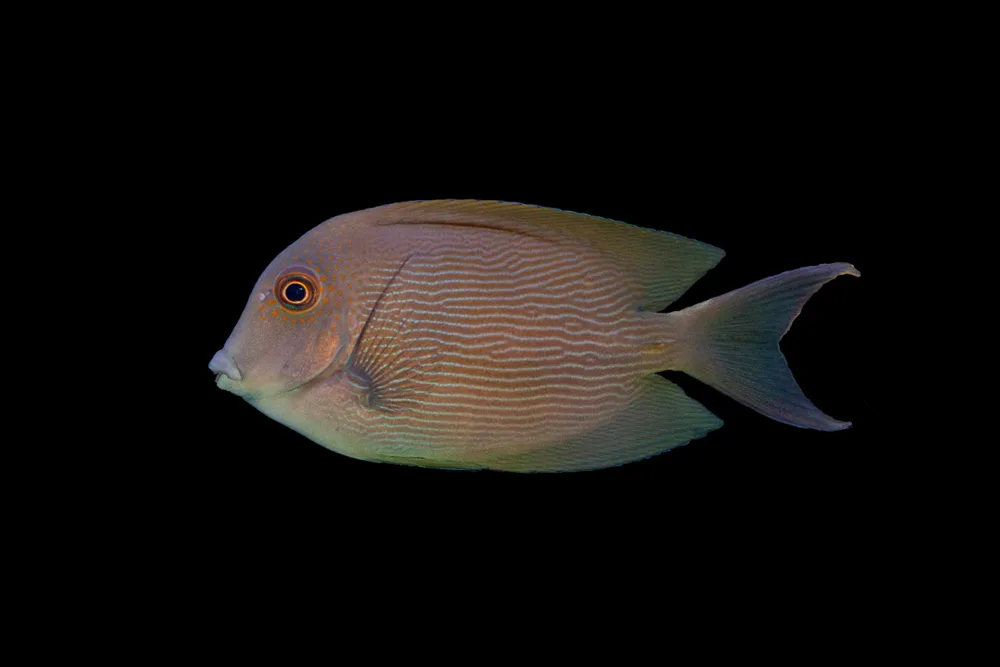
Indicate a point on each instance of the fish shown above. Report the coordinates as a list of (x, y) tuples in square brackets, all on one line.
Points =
[(473, 334)]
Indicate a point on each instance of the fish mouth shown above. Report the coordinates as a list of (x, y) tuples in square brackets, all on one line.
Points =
[(228, 375), (223, 363), (225, 383)]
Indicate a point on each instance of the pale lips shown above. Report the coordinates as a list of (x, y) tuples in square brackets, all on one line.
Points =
[(223, 364)]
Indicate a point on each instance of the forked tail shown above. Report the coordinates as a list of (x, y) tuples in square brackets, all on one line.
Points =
[(731, 343)]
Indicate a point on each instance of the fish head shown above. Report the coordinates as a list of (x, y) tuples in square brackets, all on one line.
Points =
[(290, 333)]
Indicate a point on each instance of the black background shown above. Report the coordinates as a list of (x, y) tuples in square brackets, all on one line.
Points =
[(775, 195), (781, 164), (784, 140)]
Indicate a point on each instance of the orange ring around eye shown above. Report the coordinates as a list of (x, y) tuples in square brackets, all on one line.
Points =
[(305, 288), (302, 278)]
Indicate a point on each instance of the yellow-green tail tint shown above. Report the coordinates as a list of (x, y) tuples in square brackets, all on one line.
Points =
[(731, 343)]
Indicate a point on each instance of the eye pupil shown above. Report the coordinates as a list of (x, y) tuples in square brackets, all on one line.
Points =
[(295, 293)]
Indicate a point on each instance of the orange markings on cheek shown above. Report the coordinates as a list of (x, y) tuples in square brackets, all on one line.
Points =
[(325, 300), (274, 312), (284, 317)]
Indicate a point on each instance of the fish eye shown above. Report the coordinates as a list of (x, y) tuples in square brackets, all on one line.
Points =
[(297, 291)]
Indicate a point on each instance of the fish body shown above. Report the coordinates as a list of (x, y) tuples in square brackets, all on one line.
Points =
[(472, 334)]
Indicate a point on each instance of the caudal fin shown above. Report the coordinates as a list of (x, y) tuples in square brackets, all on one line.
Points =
[(731, 343)]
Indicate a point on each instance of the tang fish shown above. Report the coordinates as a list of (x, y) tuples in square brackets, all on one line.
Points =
[(485, 334)]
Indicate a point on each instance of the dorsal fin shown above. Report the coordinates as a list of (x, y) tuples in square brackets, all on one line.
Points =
[(664, 264)]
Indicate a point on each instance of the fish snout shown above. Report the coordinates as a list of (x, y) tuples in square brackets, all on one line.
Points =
[(223, 364)]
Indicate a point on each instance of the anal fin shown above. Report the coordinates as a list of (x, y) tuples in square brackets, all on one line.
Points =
[(660, 417)]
